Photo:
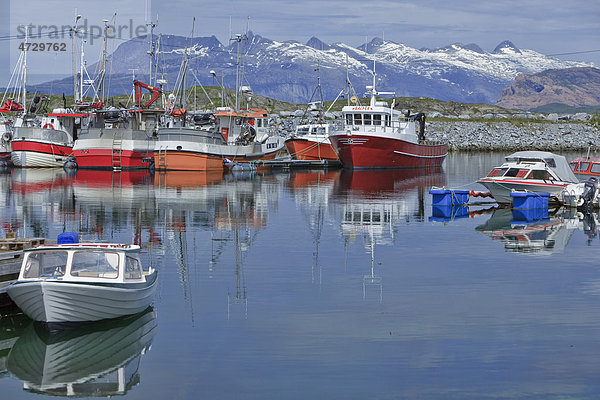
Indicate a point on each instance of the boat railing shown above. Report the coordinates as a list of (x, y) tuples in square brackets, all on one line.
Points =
[(195, 137), (36, 133)]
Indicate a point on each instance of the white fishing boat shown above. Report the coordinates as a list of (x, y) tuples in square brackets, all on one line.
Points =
[(78, 282), (532, 171)]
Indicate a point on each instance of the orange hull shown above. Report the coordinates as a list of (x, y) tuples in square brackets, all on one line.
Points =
[(303, 149), (187, 179), (187, 161)]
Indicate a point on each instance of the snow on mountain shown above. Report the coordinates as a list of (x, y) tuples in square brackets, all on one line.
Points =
[(286, 70)]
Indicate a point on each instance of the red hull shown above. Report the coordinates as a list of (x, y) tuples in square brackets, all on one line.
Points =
[(41, 147), (105, 159), (303, 149), (365, 151)]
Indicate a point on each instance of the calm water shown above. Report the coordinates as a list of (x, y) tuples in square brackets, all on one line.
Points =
[(314, 285)]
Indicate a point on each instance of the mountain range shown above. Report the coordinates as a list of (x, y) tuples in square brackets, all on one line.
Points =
[(288, 70), (570, 86)]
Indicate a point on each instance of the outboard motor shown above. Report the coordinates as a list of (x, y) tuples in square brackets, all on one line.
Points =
[(589, 192)]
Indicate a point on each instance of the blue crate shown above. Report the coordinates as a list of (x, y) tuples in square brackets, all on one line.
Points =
[(68, 238), (448, 213), (529, 214), (448, 197), (528, 200)]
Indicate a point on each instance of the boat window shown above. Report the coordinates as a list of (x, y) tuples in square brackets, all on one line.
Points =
[(95, 264), (516, 172), (539, 174), (313, 131), (497, 172), (376, 119), (595, 168), (367, 118), (133, 268), (583, 166), (348, 119), (321, 130), (573, 166), (45, 263), (302, 131), (357, 119), (238, 121), (387, 120)]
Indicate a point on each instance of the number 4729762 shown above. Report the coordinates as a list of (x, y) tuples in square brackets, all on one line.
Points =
[(43, 46)]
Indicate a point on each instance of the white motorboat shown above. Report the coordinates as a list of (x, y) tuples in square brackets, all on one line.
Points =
[(78, 282), (532, 171)]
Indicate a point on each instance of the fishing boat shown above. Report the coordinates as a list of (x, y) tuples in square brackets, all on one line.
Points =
[(311, 142), (46, 141), (117, 139), (532, 171), (78, 282), (378, 136), (244, 135)]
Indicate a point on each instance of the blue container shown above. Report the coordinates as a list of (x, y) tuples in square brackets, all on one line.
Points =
[(447, 197), (448, 213), (528, 200), (68, 238), (529, 214)]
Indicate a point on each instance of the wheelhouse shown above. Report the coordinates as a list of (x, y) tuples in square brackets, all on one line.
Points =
[(113, 263)]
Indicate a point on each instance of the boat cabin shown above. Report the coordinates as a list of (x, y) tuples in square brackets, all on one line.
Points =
[(585, 167), (88, 262), (534, 170)]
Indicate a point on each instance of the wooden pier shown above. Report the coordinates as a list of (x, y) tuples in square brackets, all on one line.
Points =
[(11, 255)]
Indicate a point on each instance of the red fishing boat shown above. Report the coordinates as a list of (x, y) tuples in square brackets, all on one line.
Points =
[(378, 136)]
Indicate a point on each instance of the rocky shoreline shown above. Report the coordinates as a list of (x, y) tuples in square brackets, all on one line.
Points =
[(514, 136)]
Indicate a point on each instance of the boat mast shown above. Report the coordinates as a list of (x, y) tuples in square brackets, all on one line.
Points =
[(24, 93), (101, 87), (152, 25), (76, 90), (238, 38)]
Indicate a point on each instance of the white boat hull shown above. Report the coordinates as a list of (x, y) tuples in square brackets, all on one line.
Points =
[(501, 189), (37, 160), (55, 301)]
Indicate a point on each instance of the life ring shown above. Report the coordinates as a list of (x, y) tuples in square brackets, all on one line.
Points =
[(49, 126)]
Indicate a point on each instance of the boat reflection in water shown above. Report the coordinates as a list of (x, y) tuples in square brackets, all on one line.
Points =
[(99, 359), (375, 201), (542, 236), (312, 191)]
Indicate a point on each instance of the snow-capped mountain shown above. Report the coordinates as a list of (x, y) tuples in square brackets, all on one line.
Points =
[(286, 70)]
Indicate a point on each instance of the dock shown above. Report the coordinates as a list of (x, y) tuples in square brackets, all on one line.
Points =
[(288, 164), (11, 255)]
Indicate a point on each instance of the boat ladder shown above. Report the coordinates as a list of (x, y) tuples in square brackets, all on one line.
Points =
[(117, 152), (162, 157)]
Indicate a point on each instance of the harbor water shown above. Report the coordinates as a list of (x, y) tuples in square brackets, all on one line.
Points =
[(314, 284)]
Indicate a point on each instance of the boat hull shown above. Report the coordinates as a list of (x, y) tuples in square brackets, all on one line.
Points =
[(304, 149), (38, 154), (56, 301), (104, 159), (501, 189), (370, 151), (208, 157)]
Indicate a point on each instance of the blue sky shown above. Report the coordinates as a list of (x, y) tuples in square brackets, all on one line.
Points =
[(547, 26)]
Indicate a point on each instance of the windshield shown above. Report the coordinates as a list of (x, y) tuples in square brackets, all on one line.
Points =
[(95, 264), (45, 264)]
